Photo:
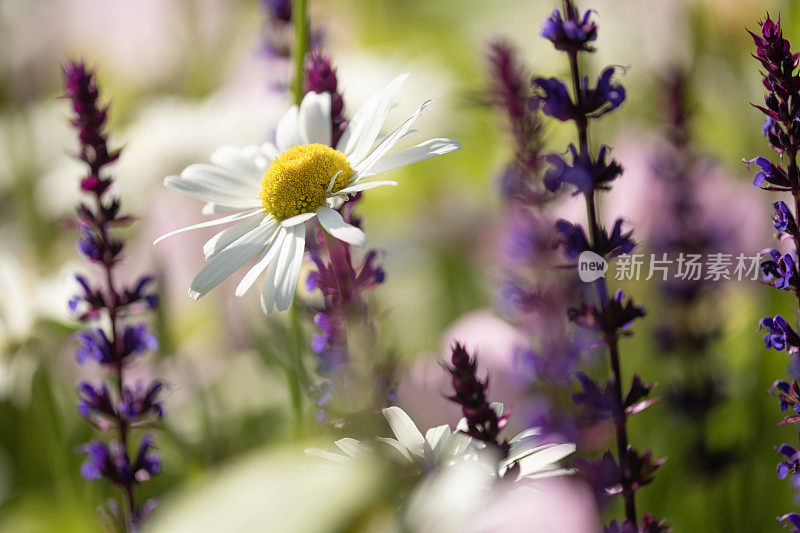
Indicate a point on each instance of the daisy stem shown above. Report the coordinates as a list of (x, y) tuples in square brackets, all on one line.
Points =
[(300, 20)]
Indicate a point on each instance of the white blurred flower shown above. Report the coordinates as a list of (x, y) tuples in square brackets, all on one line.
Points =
[(274, 189), (441, 448)]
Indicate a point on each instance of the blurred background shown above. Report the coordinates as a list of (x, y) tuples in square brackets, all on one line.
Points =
[(187, 76)]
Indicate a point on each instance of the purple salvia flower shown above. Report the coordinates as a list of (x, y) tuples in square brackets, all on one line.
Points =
[(780, 335), (590, 174), (113, 344), (780, 271), (783, 219)]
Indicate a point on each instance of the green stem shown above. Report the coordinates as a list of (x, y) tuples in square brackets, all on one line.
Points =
[(300, 20)]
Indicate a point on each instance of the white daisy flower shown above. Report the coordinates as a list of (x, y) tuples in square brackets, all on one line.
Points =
[(274, 189), (440, 448)]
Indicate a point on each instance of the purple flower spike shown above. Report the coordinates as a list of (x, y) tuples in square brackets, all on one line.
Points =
[(111, 341), (483, 421)]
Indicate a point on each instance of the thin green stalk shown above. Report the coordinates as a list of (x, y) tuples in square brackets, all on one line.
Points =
[(300, 20)]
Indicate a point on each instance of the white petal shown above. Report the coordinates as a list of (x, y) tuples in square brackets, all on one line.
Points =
[(437, 437), (366, 165), (237, 162), (230, 259), (366, 124), (545, 459), (527, 434), (314, 119), (287, 133), (420, 152), (221, 240), (399, 448), (211, 208), (267, 255), (273, 292), (297, 219), (215, 185), (287, 285), (405, 430), (268, 287), (334, 224), (351, 447), (216, 222), (330, 456), (363, 186)]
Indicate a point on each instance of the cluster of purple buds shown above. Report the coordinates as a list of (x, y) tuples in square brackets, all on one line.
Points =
[(584, 173), (483, 421), (604, 404), (595, 102), (574, 241), (111, 342), (781, 105), (510, 92), (571, 33), (610, 320), (341, 276)]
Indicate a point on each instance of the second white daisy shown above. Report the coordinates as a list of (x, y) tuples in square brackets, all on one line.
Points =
[(272, 190)]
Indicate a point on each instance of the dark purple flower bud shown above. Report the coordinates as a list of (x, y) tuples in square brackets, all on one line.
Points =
[(106, 461), (583, 173), (602, 402), (605, 97), (148, 462), (89, 246), (573, 239), (137, 339), (86, 306), (95, 404), (783, 219), (768, 126), (781, 271), (139, 403), (570, 33), (603, 475), (617, 315), (555, 99), (575, 242), (780, 336), (94, 345), (792, 462)]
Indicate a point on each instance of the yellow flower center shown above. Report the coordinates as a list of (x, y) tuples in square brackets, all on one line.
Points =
[(298, 180)]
